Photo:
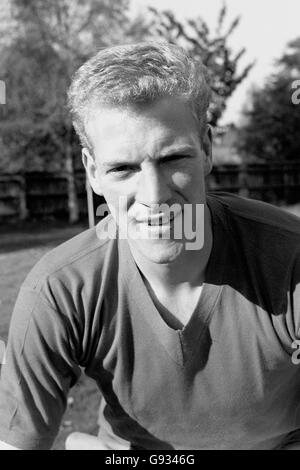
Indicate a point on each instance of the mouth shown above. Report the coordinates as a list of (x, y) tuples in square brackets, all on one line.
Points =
[(157, 225), (160, 219)]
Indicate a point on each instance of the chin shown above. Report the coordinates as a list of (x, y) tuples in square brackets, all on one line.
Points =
[(161, 252)]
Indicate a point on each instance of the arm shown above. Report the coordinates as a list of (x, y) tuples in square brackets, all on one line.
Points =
[(83, 441), (4, 446), (292, 441), (40, 368)]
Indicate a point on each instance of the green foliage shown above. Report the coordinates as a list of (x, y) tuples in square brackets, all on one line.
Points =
[(212, 47), (47, 41), (271, 119), (35, 80)]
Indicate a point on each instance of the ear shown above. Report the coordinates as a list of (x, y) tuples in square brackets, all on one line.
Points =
[(90, 166), (207, 148)]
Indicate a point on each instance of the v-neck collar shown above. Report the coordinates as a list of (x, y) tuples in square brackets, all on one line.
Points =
[(179, 344)]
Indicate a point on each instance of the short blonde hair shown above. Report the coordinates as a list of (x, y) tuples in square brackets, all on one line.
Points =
[(137, 74)]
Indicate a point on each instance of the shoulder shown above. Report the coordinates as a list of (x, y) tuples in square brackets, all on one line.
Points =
[(75, 276), (264, 252), (260, 216), (263, 240), (81, 256), (65, 290)]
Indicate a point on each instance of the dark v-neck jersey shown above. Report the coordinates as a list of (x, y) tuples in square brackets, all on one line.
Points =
[(228, 380)]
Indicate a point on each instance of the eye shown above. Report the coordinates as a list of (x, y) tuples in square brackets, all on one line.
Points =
[(121, 170), (174, 158)]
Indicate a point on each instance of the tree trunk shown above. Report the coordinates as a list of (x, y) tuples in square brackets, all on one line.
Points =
[(23, 211), (73, 207)]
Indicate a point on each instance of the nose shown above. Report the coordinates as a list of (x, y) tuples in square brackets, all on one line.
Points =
[(153, 186)]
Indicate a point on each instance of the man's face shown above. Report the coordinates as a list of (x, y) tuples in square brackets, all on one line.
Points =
[(144, 158)]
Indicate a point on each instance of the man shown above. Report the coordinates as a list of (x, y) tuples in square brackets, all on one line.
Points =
[(189, 334)]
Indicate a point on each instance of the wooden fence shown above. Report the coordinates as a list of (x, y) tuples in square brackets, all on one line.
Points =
[(37, 195), (275, 183)]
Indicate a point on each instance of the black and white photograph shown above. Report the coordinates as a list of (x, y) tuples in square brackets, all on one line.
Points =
[(149, 227)]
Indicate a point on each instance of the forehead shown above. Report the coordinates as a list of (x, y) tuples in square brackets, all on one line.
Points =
[(166, 123)]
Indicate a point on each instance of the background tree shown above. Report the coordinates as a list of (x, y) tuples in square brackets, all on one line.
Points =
[(47, 41), (271, 120), (212, 47)]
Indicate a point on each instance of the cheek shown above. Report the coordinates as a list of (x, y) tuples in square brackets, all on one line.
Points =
[(118, 208), (117, 200), (190, 182), (110, 196), (182, 179), (188, 174), (119, 193)]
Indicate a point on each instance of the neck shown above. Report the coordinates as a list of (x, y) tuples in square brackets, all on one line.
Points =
[(188, 270)]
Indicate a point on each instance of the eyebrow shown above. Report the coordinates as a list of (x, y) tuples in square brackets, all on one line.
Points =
[(180, 150), (184, 150)]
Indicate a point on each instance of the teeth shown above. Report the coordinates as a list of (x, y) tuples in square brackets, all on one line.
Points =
[(155, 222), (160, 220)]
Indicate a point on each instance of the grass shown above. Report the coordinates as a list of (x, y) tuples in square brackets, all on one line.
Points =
[(19, 251)]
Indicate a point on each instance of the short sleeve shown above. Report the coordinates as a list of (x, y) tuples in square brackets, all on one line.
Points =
[(295, 296), (40, 367), (293, 438)]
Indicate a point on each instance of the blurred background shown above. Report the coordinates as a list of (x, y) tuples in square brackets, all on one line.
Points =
[(252, 51)]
